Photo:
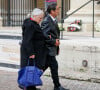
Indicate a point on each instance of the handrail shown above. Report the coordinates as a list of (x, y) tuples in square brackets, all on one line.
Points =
[(78, 9), (62, 20)]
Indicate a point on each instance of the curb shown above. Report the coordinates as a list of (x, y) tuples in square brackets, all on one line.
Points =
[(14, 66), (10, 37)]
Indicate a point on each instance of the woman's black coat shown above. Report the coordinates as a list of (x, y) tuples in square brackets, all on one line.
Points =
[(32, 43)]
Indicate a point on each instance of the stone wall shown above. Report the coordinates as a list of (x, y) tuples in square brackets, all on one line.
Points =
[(9, 51), (72, 54)]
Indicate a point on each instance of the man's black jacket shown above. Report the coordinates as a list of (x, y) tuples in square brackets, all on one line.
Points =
[(51, 32)]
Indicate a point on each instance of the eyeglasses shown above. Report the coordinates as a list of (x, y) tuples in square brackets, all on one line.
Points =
[(40, 17)]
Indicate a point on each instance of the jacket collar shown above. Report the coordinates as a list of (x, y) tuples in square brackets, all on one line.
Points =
[(52, 17)]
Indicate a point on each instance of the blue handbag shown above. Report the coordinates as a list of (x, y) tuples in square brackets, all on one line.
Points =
[(29, 76)]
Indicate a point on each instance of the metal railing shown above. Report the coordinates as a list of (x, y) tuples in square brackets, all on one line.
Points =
[(62, 18), (14, 12)]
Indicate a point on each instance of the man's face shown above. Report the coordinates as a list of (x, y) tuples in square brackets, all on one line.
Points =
[(55, 12)]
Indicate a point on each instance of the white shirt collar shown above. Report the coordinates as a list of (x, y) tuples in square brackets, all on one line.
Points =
[(52, 18)]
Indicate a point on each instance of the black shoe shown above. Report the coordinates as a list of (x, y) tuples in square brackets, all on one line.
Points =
[(38, 89), (31, 88), (60, 88), (20, 87)]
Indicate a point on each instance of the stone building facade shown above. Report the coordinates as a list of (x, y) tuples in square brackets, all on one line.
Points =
[(85, 14), (20, 8), (12, 12)]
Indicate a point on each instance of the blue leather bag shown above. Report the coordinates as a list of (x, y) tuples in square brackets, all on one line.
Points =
[(29, 76)]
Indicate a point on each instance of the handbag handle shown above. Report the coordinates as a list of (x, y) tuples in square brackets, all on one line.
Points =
[(29, 62)]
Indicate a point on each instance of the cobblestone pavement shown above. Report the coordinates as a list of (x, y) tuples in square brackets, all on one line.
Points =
[(8, 82)]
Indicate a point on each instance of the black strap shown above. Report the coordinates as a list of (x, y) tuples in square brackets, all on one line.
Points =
[(29, 62)]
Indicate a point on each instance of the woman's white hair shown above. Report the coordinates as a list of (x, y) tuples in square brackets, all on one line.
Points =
[(36, 11)]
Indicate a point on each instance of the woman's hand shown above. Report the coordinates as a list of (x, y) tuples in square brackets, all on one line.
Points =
[(32, 56)]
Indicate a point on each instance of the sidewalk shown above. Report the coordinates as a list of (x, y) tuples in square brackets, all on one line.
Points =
[(8, 81)]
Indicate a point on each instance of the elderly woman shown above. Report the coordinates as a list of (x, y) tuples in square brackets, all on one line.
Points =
[(33, 45)]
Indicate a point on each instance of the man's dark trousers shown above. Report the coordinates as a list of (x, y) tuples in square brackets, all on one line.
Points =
[(51, 33), (53, 64)]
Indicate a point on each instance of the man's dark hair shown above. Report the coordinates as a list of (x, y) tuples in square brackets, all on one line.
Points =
[(51, 7)]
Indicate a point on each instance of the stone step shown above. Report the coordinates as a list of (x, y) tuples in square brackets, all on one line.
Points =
[(9, 50), (9, 56)]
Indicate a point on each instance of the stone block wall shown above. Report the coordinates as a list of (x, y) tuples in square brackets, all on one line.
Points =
[(70, 60), (9, 51)]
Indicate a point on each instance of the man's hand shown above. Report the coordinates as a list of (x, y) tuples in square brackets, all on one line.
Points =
[(32, 56), (57, 42)]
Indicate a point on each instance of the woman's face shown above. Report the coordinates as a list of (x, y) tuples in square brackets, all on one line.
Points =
[(38, 18)]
